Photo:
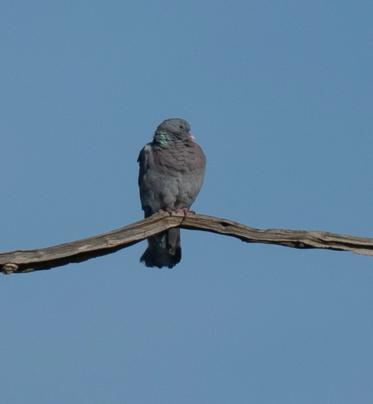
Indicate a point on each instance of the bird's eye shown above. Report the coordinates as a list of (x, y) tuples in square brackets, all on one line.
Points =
[(181, 126)]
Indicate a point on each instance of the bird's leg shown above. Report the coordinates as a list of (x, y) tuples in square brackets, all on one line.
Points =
[(184, 211), (168, 210)]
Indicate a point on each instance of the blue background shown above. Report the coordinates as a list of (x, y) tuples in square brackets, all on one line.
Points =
[(279, 95)]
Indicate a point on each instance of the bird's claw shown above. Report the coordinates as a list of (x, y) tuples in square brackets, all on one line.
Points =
[(183, 211), (178, 211)]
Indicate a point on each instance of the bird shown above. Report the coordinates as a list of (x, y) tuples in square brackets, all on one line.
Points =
[(171, 172)]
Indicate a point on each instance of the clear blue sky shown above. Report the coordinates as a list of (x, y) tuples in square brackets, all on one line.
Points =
[(279, 94)]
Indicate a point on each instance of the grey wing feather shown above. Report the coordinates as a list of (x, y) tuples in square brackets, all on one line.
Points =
[(147, 193), (143, 161)]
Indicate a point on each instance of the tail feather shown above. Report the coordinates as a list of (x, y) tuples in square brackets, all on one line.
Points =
[(164, 249)]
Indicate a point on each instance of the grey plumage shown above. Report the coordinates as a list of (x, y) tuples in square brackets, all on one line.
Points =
[(171, 173)]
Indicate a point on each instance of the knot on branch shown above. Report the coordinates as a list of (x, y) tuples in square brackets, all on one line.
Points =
[(9, 268)]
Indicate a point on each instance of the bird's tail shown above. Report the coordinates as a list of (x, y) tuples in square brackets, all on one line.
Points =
[(164, 249)]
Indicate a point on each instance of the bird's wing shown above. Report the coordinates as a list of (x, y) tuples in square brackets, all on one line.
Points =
[(144, 162), (147, 193)]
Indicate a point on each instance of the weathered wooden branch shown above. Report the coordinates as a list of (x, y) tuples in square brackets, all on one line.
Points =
[(45, 258)]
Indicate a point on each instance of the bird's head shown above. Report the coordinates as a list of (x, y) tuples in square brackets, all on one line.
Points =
[(174, 127)]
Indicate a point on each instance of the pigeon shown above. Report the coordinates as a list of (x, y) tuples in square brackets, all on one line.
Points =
[(172, 169)]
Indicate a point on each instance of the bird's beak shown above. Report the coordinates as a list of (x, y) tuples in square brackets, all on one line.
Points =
[(192, 136)]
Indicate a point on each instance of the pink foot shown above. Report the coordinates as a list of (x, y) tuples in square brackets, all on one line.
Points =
[(184, 211)]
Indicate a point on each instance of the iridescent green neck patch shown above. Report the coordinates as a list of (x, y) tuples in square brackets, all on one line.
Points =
[(163, 137)]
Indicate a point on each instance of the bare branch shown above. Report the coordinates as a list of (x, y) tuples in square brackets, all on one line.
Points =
[(107, 243)]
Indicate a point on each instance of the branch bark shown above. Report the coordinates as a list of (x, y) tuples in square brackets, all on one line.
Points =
[(45, 258)]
